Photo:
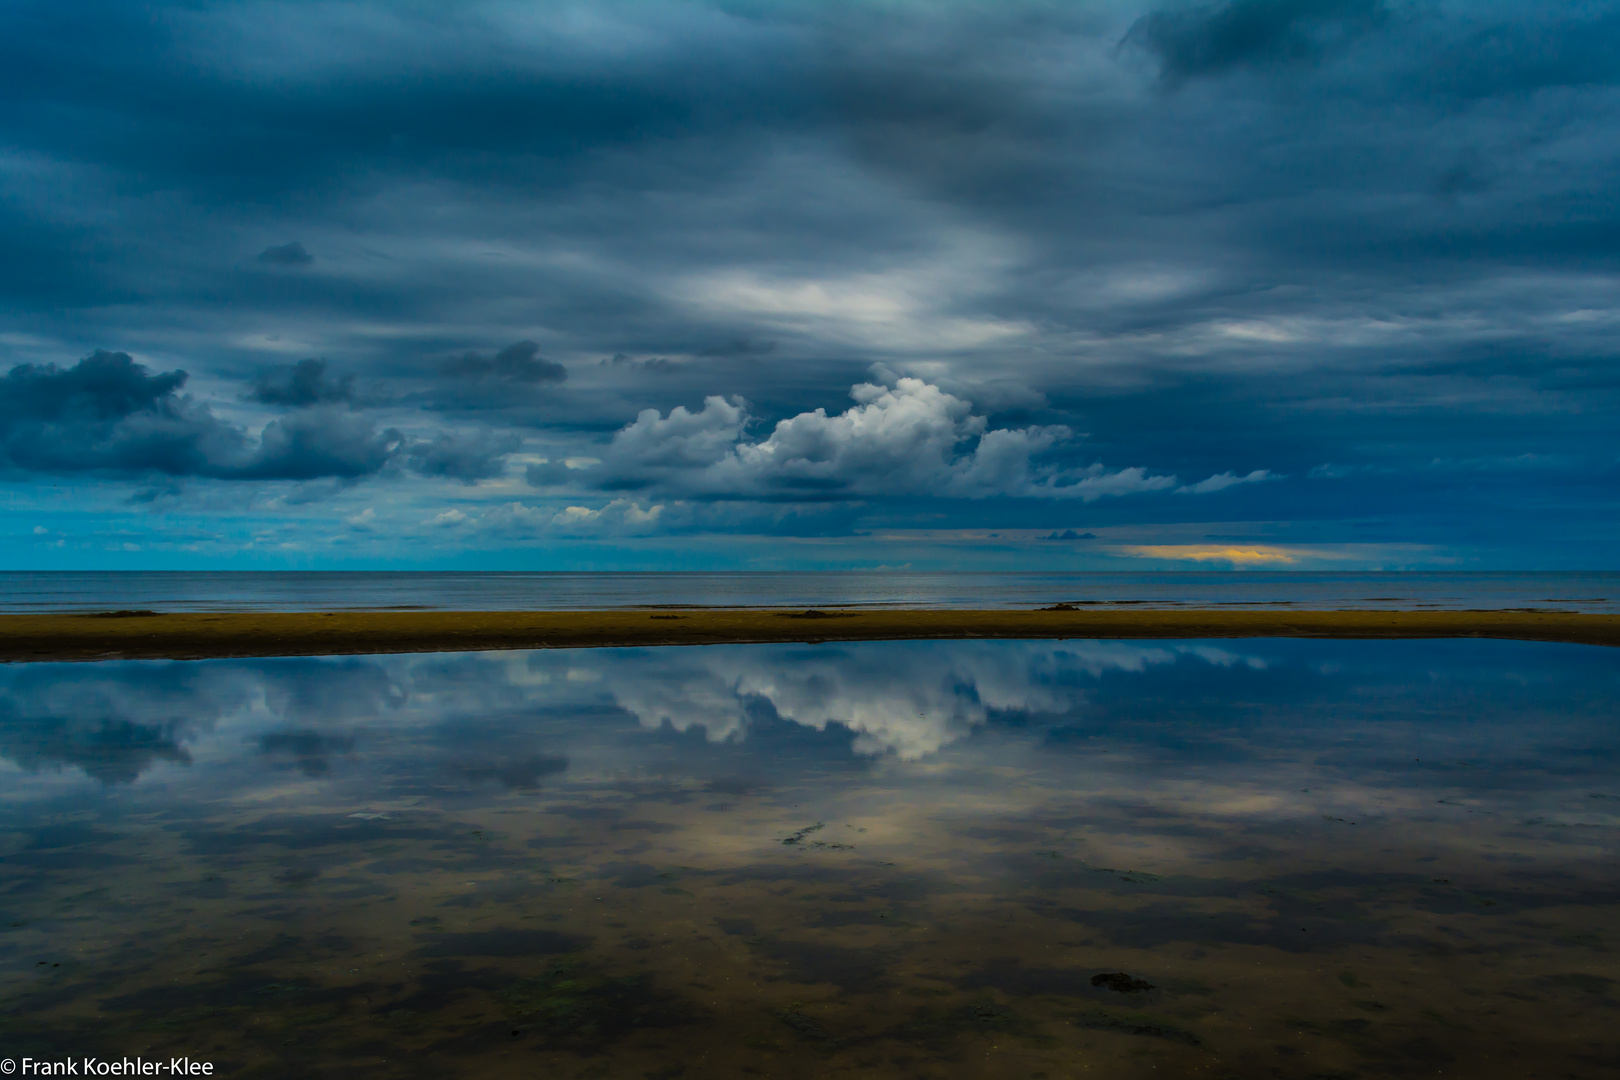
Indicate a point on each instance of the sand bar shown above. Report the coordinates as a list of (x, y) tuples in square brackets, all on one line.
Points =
[(195, 636)]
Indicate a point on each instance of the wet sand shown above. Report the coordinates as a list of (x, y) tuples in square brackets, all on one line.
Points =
[(146, 635)]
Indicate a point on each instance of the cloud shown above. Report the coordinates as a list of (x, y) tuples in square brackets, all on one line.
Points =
[(290, 254), (520, 521), (305, 383), (626, 517), (656, 364), (1360, 233), (1222, 481), (109, 414), (908, 439), (618, 518), (520, 363), (313, 444), (552, 472), (469, 458), (1249, 33), (655, 446), (102, 386)]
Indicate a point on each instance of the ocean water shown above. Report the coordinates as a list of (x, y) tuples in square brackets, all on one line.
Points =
[(1033, 860), (338, 591)]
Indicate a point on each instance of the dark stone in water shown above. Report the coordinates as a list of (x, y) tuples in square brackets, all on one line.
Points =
[(1121, 983)]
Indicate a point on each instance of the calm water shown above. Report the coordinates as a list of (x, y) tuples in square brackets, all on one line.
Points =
[(290, 591), (1298, 859)]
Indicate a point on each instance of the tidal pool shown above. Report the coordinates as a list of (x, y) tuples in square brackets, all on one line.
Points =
[(1049, 859)]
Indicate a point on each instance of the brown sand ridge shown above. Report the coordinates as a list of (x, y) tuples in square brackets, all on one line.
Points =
[(127, 634)]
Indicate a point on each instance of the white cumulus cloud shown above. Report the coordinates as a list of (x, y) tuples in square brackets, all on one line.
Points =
[(618, 517), (911, 438)]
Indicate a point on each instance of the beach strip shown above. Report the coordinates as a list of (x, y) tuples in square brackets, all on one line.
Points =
[(197, 636)]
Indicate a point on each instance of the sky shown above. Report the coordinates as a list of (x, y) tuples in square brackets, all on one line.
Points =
[(810, 284)]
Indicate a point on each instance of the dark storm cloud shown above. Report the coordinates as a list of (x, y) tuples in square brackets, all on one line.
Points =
[(1214, 237), (549, 473), (305, 383), (315, 444), (520, 363), (515, 384), (109, 414), (468, 458), (651, 363), (103, 386), (292, 254), (473, 95), (1250, 33)]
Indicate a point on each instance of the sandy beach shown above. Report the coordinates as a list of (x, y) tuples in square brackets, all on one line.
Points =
[(144, 635)]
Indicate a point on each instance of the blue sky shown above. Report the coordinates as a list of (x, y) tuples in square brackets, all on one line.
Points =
[(1295, 284)]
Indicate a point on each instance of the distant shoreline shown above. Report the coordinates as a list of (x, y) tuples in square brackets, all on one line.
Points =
[(198, 636)]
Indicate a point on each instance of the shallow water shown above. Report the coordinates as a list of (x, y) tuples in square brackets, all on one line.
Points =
[(903, 859)]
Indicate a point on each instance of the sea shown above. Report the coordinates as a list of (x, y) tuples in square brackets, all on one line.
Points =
[(67, 591)]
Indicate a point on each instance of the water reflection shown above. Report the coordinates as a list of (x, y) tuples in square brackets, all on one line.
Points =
[(908, 700), (1284, 858)]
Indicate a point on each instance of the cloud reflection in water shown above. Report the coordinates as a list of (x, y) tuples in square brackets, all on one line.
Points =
[(909, 699), (518, 718)]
